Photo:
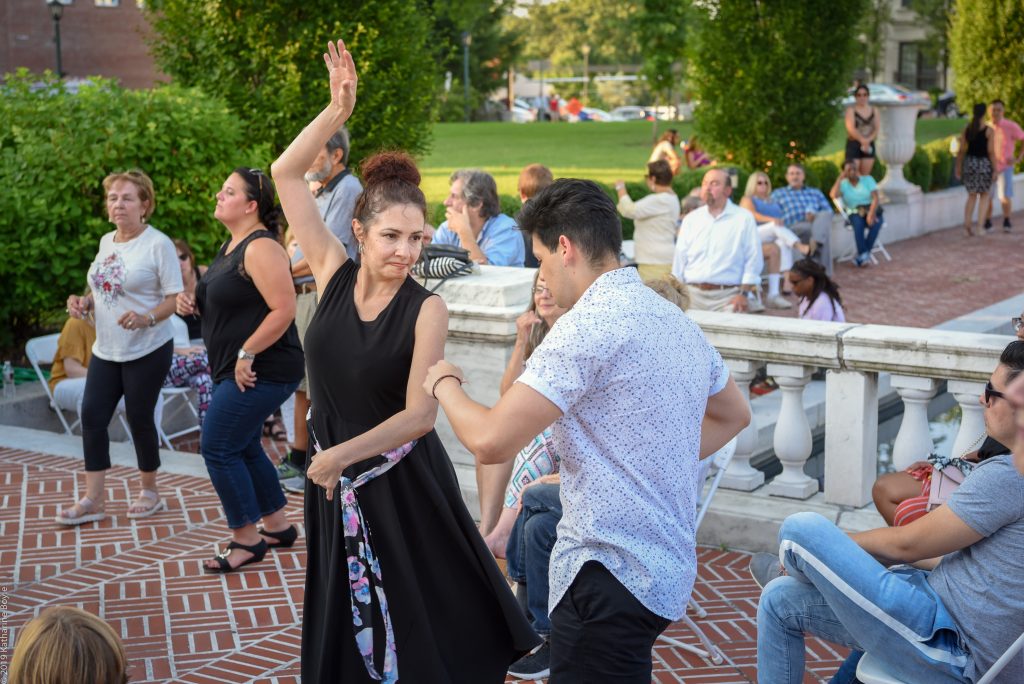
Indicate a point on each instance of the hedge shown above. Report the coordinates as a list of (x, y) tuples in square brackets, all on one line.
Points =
[(55, 149)]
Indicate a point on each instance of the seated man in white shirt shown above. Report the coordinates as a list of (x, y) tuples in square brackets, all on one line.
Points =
[(634, 395), (718, 251)]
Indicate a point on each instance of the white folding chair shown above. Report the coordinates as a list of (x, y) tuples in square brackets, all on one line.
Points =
[(41, 350), (712, 468), (871, 671), (177, 397), (879, 246)]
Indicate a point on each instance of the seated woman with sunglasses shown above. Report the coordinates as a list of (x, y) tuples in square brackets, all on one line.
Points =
[(190, 365), (246, 303)]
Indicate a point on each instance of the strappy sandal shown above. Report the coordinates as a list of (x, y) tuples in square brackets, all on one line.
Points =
[(90, 512), (258, 552), (285, 538), (156, 506)]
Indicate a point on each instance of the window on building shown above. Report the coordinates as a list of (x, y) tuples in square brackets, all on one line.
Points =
[(917, 70), (107, 3)]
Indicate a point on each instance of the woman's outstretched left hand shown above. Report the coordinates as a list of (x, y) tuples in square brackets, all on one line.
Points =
[(343, 77)]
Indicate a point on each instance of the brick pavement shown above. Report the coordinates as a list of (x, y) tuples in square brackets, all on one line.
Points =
[(933, 278), (178, 624)]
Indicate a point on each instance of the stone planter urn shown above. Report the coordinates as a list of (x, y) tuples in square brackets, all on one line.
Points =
[(895, 146)]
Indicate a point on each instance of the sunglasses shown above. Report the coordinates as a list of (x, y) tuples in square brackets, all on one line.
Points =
[(541, 290), (991, 392), (183, 257), (259, 177)]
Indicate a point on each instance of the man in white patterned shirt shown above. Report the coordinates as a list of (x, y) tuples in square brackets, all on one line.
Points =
[(718, 252), (635, 396)]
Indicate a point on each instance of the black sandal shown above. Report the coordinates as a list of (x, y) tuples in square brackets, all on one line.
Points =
[(285, 538), (258, 551)]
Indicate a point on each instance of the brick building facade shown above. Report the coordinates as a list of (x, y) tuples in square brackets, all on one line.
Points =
[(98, 37)]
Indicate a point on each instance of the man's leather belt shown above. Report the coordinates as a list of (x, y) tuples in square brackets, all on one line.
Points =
[(303, 288), (712, 286)]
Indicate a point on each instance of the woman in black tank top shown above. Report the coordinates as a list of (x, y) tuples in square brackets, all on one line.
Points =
[(246, 304), (384, 512), (976, 165), (861, 130)]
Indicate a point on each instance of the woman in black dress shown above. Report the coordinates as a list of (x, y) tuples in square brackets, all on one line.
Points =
[(383, 506), (976, 166)]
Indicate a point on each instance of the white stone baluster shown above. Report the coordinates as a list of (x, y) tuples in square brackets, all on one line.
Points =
[(914, 440), (851, 436), (972, 422), (740, 474), (792, 433)]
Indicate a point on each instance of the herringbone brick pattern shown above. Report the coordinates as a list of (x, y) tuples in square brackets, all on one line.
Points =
[(178, 624)]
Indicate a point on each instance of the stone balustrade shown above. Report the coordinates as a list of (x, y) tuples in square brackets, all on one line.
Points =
[(483, 309)]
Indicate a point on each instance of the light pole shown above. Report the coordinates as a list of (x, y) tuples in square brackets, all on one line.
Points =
[(56, 11), (586, 74), (466, 41)]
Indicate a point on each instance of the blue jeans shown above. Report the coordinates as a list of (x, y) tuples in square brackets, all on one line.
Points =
[(860, 225), (529, 549), (837, 591), (245, 479)]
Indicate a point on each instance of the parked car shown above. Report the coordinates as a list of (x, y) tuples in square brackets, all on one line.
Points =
[(886, 93), (631, 113), (592, 114), (945, 105), (520, 114)]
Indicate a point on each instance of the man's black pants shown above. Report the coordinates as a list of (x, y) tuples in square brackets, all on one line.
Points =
[(601, 633)]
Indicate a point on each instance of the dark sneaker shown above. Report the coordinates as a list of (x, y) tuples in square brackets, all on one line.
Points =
[(764, 567), (988, 224), (286, 470), (1007, 226), (536, 665)]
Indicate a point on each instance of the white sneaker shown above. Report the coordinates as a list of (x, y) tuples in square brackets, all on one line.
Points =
[(754, 305), (778, 302)]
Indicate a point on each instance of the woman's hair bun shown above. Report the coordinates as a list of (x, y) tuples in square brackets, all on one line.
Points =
[(385, 166)]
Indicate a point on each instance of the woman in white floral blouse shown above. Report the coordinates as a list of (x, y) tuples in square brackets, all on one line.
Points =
[(134, 280)]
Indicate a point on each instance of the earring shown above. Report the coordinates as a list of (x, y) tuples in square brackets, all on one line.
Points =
[(360, 248)]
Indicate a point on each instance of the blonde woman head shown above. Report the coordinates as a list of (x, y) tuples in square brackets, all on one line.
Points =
[(758, 185), (66, 645)]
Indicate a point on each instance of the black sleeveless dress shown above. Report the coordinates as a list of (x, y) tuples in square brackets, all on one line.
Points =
[(454, 617)]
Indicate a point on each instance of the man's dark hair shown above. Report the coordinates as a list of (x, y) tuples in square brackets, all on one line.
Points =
[(1013, 358), (579, 210), (660, 172), (997, 101), (340, 141)]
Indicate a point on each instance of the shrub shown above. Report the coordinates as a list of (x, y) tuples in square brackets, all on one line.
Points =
[(825, 172), (55, 150), (919, 170), (769, 75), (942, 163)]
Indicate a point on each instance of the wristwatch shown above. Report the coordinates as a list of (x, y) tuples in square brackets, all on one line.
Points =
[(152, 319), (245, 356)]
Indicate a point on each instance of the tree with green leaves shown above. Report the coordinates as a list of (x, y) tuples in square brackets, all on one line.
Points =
[(986, 43), (264, 60), (769, 75), (873, 24), (661, 27)]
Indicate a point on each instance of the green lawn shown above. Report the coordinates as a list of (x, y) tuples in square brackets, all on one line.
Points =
[(601, 151)]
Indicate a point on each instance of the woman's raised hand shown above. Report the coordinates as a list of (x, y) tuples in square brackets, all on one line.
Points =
[(343, 77)]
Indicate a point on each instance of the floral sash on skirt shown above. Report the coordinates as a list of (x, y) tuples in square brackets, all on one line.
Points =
[(362, 561)]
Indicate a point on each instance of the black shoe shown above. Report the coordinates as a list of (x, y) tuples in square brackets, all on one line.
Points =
[(536, 665), (988, 225), (1007, 227)]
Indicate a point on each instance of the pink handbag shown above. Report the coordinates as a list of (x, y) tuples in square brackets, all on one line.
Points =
[(944, 483)]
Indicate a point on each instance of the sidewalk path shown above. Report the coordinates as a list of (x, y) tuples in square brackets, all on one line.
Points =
[(180, 625), (933, 278)]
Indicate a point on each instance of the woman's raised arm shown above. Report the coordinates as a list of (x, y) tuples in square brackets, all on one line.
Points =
[(323, 251)]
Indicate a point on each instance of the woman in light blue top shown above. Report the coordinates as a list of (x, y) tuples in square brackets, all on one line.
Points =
[(770, 225), (860, 198)]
